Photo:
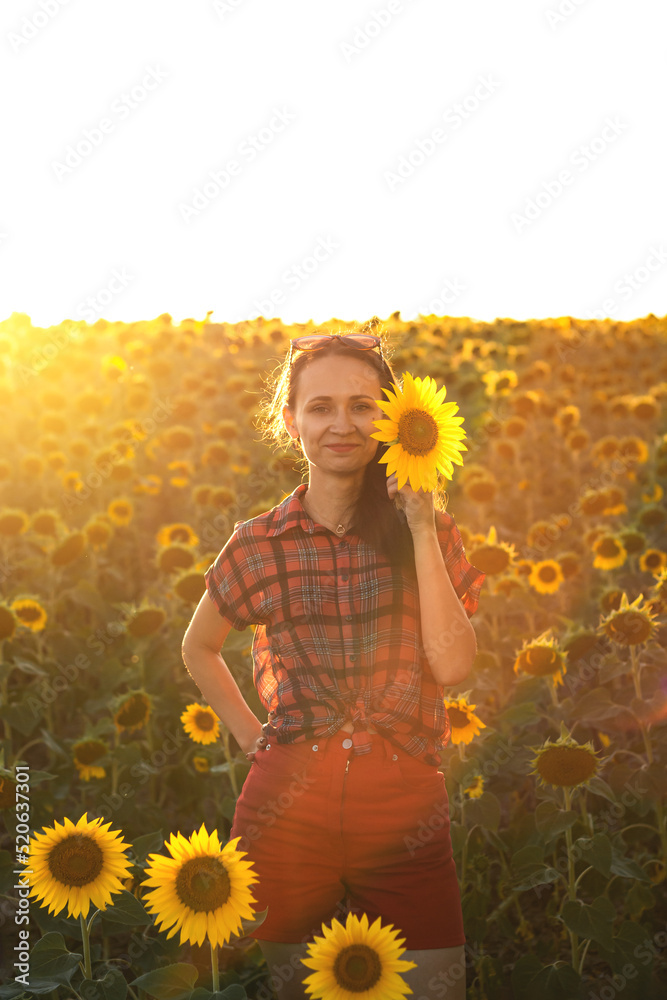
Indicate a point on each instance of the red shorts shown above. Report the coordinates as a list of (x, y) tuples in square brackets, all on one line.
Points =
[(325, 841)]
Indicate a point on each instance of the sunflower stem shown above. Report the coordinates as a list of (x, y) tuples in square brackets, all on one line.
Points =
[(585, 815), (583, 956), (114, 765), (571, 883), (552, 691), (635, 672), (214, 967), (87, 970)]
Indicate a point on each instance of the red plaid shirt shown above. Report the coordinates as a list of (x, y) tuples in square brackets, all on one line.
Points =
[(338, 633)]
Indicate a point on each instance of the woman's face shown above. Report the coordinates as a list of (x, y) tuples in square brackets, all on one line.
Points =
[(336, 406)]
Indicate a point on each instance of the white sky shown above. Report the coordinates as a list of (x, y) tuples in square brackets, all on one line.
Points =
[(336, 100)]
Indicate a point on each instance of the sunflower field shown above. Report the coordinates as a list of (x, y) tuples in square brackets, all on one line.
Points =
[(129, 452)]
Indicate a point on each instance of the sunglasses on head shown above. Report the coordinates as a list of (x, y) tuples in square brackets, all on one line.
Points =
[(362, 341)]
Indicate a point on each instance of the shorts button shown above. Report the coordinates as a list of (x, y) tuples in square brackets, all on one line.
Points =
[(268, 746), (395, 757), (315, 747), (347, 743)]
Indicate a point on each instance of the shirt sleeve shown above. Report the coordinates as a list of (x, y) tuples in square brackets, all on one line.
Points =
[(466, 578), (231, 585)]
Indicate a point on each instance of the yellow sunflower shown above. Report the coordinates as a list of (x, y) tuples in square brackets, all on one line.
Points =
[(75, 865), (87, 754), (546, 576), (202, 889), (357, 960), (29, 613), (181, 533), (565, 763), (120, 511), (609, 552), (491, 556), (464, 723), (423, 434), (8, 622), (629, 624), (541, 657), (652, 561), (133, 712), (475, 788), (201, 723)]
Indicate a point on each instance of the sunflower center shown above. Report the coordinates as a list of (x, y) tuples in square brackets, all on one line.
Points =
[(569, 766), (75, 861), (417, 432), (357, 968), (458, 719), (133, 711), (547, 574), (203, 884), (204, 721)]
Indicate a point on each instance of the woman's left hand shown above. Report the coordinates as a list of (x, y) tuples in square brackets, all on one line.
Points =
[(418, 506)]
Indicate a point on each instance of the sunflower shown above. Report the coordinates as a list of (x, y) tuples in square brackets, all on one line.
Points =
[(201, 764), (13, 522), (202, 889), (464, 723), (133, 712), (629, 624), (565, 763), (652, 561), (181, 533), (8, 622), (422, 433), (86, 755), (475, 788), (546, 576), (146, 621), (491, 556), (541, 657), (120, 511), (609, 552), (356, 959), (29, 613), (70, 549), (76, 865), (201, 723)]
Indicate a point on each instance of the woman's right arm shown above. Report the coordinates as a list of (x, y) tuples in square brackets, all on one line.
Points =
[(200, 649)]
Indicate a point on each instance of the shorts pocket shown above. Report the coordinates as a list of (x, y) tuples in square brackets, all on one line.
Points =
[(287, 760), (415, 774)]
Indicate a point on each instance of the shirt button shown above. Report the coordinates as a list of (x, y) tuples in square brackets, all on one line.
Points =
[(315, 747), (395, 757), (348, 618), (352, 659), (345, 577), (347, 743)]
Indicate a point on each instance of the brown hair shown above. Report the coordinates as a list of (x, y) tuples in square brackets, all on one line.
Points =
[(374, 517)]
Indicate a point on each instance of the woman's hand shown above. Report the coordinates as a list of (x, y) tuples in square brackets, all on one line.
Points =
[(259, 744), (418, 505)]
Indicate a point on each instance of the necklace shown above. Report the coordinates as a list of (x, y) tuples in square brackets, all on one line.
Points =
[(340, 530)]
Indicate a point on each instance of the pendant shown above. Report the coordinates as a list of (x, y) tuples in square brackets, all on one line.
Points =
[(340, 530)]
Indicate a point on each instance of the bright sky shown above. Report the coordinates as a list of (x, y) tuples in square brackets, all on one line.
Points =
[(469, 158)]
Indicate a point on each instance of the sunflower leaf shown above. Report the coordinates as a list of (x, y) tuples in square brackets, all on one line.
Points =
[(626, 867), (19, 716), (551, 982), (125, 908), (173, 982), (112, 987), (596, 851), (51, 960), (551, 820), (592, 922), (596, 704), (484, 810)]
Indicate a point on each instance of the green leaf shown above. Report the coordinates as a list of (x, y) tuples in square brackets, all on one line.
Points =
[(638, 899), (592, 922), (228, 807), (148, 843), (112, 987), (541, 875), (51, 960), (600, 787), (551, 820), (125, 908), (173, 982), (552, 982), (523, 714), (596, 851), (626, 867), (20, 716), (29, 668), (596, 705), (484, 810), (530, 855)]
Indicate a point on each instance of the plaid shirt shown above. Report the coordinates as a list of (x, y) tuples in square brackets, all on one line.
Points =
[(338, 633)]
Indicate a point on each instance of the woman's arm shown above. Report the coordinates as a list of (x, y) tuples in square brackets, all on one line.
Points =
[(202, 642), (447, 634)]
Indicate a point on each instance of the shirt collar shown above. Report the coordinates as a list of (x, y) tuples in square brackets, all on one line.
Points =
[(291, 513)]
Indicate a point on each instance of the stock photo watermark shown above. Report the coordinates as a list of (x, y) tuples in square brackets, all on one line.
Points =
[(565, 9), (248, 151), (629, 283), (121, 109), (555, 187), (366, 32), (32, 24), (454, 118), (295, 275)]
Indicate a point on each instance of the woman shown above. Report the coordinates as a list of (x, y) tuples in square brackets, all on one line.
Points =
[(362, 615)]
